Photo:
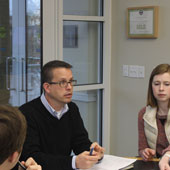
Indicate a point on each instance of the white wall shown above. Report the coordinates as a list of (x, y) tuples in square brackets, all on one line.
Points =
[(129, 94)]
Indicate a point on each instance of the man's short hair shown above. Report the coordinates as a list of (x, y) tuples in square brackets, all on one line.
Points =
[(46, 73), (12, 131)]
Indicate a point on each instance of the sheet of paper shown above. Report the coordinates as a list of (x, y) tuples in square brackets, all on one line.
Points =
[(111, 162)]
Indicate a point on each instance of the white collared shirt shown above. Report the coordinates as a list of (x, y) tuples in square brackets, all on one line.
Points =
[(57, 114)]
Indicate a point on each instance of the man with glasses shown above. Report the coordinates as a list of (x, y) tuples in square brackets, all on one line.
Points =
[(55, 127)]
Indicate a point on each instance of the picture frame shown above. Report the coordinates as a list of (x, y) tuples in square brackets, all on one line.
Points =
[(142, 22)]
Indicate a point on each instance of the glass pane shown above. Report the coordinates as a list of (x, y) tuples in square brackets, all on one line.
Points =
[(33, 48), (90, 105), (83, 7), (19, 39), (82, 47)]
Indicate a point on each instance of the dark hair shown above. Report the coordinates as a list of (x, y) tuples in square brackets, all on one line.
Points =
[(12, 131), (160, 69), (46, 73)]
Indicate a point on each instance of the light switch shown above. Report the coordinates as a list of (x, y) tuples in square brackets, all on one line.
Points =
[(133, 71)]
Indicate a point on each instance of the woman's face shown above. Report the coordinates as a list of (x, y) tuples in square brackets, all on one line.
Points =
[(161, 87)]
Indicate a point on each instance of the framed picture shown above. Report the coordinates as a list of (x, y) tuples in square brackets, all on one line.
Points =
[(70, 36), (142, 22)]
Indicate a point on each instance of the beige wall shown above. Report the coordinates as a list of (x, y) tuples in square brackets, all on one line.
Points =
[(129, 94)]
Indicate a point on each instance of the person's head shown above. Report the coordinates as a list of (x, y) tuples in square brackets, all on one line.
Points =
[(12, 134), (159, 85), (57, 82)]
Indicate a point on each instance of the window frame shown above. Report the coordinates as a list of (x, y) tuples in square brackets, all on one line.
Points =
[(53, 49)]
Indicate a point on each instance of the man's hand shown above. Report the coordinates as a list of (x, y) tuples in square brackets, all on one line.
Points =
[(98, 149), (85, 161), (30, 164), (147, 154)]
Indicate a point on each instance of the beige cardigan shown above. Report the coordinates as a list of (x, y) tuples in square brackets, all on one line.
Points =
[(151, 129)]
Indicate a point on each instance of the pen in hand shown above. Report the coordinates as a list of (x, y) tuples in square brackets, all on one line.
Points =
[(21, 165), (91, 151)]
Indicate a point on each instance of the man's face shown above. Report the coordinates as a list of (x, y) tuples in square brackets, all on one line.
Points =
[(55, 94)]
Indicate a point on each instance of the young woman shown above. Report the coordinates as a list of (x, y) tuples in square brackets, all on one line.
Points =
[(154, 119)]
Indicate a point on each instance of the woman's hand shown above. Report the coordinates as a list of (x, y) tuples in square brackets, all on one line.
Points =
[(164, 162), (147, 154)]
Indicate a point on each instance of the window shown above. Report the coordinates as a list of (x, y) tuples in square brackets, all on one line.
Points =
[(20, 51), (86, 56), (90, 106), (78, 32)]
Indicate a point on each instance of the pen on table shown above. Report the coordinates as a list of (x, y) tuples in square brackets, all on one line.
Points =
[(91, 151), (21, 165)]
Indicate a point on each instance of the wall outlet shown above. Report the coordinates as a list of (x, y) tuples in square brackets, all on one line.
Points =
[(141, 71)]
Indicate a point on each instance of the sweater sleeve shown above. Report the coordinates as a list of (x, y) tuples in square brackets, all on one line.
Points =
[(142, 141), (32, 147), (166, 150)]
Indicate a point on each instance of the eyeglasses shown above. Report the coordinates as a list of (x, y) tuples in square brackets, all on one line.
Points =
[(64, 84)]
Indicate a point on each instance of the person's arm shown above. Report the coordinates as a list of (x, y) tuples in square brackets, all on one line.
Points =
[(166, 150), (144, 151), (164, 162), (142, 141)]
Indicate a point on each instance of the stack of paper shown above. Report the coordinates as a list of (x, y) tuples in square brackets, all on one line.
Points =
[(111, 162)]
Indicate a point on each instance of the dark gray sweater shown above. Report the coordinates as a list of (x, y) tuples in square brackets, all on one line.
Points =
[(49, 140)]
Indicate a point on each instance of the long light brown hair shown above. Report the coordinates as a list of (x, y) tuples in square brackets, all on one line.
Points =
[(160, 69)]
